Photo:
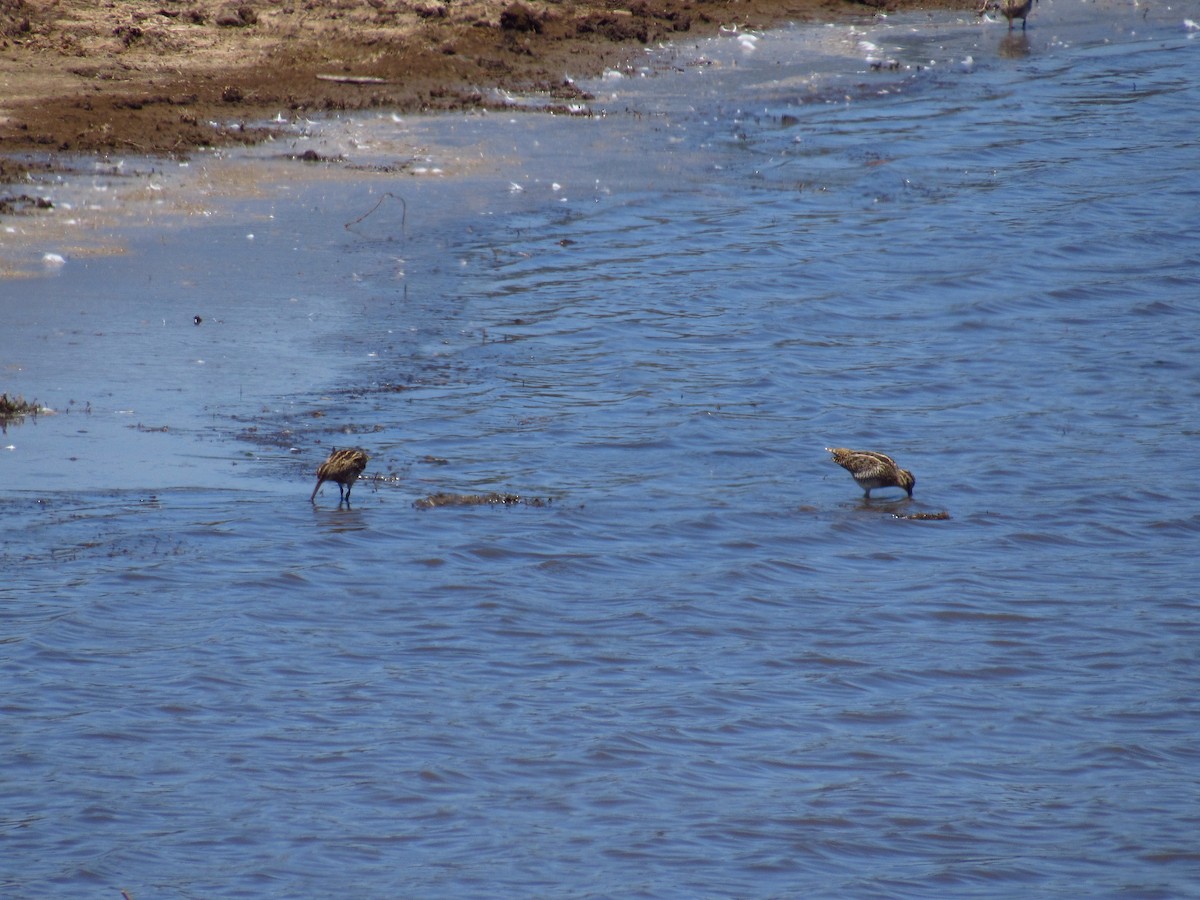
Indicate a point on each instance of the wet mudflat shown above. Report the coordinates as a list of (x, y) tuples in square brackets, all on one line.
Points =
[(705, 666)]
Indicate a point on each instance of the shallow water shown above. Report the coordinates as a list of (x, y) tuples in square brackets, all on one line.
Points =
[(706, 667)]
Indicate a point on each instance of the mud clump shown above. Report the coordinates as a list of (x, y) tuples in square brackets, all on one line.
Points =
[(15, 204), (13, 410), (520, 17)]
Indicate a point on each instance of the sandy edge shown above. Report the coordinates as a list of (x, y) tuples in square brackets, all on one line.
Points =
[(153, 77)]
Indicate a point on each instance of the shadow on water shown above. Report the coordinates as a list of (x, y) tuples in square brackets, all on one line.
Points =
[(340, 519), (1014, 46)]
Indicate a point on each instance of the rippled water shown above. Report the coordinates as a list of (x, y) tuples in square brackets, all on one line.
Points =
[(706, 667)]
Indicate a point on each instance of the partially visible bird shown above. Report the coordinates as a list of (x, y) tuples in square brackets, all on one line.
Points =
[(344, 467), (873, 470), (1010, 9)]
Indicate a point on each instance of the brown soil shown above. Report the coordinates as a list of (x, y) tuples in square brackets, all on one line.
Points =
[(153, 76)]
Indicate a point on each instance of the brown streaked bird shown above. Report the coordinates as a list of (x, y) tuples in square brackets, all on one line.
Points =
[(1010, 9), (873, 470), (344, 467)]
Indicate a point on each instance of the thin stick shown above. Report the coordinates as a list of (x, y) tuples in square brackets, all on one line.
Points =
[(354, 79), (403, 216)]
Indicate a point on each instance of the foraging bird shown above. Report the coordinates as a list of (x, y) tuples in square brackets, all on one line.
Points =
[(344, 467), (1010, 9), (873, 470)]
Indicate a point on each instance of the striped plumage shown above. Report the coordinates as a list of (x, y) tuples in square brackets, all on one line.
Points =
[(344, 467), (873, 470), (1010, 9)]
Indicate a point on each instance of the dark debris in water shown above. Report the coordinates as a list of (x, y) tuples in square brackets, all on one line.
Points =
[(434, 501), (379, 478), (383, 387), (923, 517), (278, 439), (397, 168), (16, 204), (16, 408), (359, 429), (312, 156)]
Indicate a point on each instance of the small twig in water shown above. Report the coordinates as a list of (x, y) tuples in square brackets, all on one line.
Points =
[(403, 216)]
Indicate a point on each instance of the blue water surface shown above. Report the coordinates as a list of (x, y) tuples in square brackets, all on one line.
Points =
[(693, 661)]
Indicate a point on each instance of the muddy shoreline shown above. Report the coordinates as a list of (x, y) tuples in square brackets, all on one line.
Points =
[(169, 76)]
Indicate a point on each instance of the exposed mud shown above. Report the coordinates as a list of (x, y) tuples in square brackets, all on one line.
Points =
[(168, 76)]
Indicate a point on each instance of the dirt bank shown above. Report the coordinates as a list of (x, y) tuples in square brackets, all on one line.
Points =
[(155, 75)]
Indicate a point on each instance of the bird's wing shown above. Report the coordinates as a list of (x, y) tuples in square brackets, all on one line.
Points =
[(871, 464)]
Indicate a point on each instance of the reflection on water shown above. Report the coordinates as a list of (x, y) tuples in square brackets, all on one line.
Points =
[(706, 667), (1013, 46)]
